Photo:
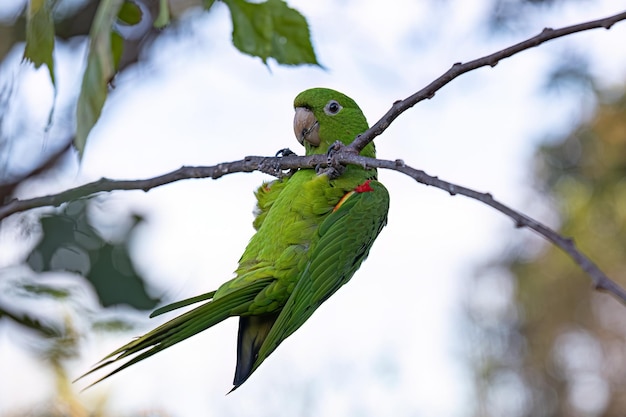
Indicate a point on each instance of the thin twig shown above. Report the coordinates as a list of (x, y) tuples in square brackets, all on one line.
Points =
[(458, 69)]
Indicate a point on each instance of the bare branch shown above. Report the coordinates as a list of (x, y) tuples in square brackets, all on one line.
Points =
[(270, 165), (458, 69), (600, 280), (52, 161), (253, 163), (276, 165), (348, 155)]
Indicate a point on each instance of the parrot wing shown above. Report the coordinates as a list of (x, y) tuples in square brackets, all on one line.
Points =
[(345, 238), (266, 195)]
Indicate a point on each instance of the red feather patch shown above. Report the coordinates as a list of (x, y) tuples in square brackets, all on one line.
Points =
[(364, 188)]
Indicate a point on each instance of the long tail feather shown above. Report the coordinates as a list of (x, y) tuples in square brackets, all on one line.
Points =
[(182, 327), (252, 333), (182, 303)]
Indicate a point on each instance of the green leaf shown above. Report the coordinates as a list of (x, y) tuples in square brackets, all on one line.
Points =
[(40, 34), (70, 243), (46, 290), (129, 14), (99, 72), (163, 19), (112, 325), (117, 48), (31, 322), (271, 30)]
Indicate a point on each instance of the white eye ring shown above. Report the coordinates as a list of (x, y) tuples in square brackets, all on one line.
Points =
[(332, 108)]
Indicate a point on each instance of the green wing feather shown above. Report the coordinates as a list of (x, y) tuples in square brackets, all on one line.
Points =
[(346, 237), (182, 327), (232, 303), (266, 195), (182, 303)]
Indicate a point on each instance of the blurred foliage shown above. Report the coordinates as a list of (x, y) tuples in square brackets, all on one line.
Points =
[(118, 30), (526, 347), (65, 401), (28, 321), (513, 15), (105, 52), (554, 347), (40, 34), (48, 299), (69, 242)]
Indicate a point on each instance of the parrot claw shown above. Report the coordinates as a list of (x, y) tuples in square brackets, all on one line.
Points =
[(333, 168), (271, 167), (320, 169), (284, 152), (274, 168), (334, 148)]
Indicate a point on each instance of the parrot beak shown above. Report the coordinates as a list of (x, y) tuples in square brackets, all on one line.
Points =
[(306, 127)]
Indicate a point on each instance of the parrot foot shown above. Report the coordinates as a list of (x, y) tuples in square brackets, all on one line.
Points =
[(284, 152), (273, 168), (333, 168)]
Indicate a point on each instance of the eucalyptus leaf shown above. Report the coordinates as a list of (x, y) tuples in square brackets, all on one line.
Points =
[(129, 14), (271, 30), (99, 72), (163, 18), (40, 35)]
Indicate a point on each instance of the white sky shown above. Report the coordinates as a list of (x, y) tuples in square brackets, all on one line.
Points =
[(388, 343)]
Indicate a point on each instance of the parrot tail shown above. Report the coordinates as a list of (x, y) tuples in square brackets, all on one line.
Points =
[(182, 327), (252, 333)]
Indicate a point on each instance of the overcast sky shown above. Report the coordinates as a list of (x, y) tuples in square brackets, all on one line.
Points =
[(390, 342)]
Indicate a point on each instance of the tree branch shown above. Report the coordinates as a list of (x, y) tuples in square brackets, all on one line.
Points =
[(277, 165), (600, 280), (458, 69), (349, 155), (269, 165)]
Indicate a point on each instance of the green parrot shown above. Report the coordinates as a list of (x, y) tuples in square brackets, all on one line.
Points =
[(313, 231)]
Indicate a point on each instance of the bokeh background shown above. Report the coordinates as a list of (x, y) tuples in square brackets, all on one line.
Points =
[(455, 313)]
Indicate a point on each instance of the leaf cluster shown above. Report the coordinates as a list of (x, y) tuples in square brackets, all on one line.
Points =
[(270, 29)]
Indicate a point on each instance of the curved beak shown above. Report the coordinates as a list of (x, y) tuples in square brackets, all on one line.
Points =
[(306, 127)]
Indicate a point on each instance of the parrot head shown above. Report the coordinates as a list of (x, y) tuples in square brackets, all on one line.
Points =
[(324, 116)]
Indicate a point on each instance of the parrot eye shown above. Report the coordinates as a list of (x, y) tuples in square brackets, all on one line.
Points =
[(332, 108)]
